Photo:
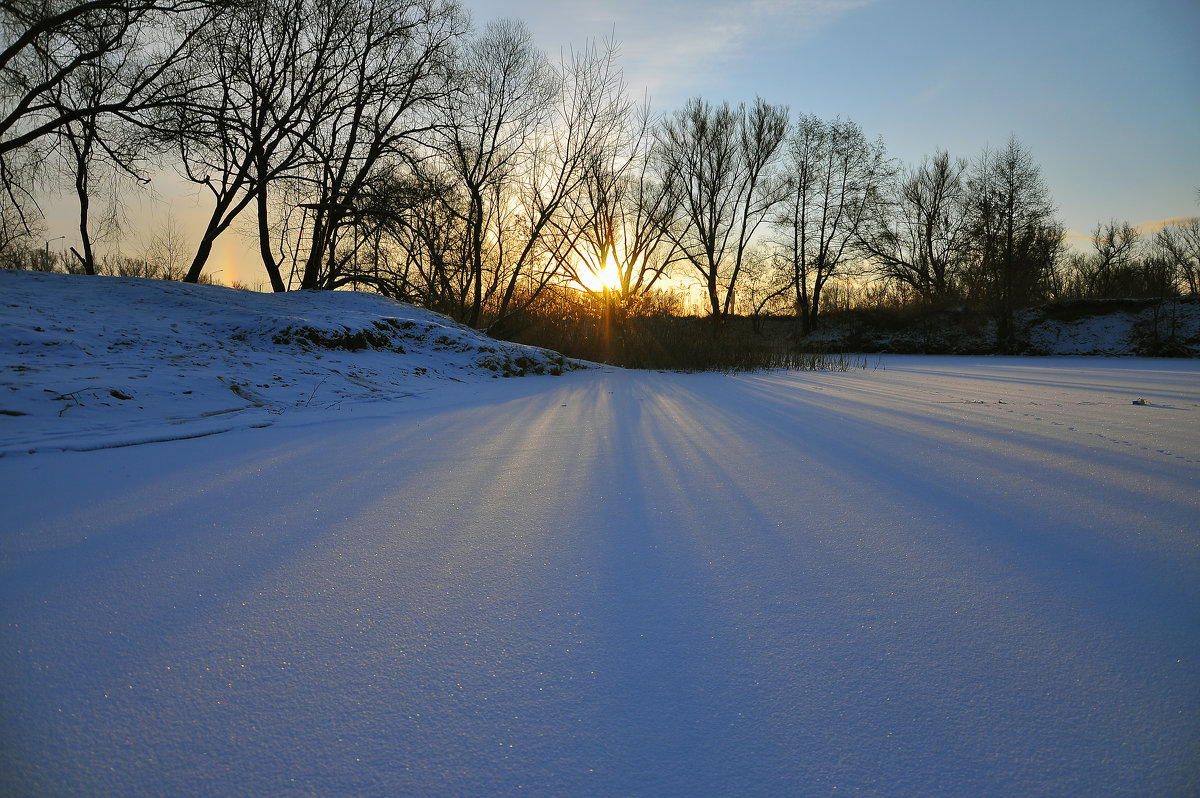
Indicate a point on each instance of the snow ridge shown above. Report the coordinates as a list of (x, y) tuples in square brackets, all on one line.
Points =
[(100, 362)]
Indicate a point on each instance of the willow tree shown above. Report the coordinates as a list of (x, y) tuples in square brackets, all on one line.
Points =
[(71, 74), (47, 43)]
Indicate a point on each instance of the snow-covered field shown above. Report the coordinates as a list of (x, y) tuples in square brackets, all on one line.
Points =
[(393, 574)]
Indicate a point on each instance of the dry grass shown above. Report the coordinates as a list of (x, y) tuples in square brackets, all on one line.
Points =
[(650, 337)]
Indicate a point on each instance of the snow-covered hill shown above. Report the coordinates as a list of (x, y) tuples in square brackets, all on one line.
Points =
[(95, 362)]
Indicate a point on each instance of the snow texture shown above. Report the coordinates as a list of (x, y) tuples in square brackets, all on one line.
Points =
[(394, 575), (110, 362)]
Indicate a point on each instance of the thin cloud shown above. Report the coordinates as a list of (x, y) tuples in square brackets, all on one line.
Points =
[(672, 46), (1086, 240), (683, 47), (1077, 240), (1150, 228), (808, 12)]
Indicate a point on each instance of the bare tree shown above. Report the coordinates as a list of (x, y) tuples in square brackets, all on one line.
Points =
[(99, 149), (254, 79), (1179, 245), (1117, 248), (502, 95), (1014, 236), (917, 236), (381, 100), (627, 211), (616, 230), (765, 286), (834, 180), (309, 38), (418, 255), (518, 136), (299, 101), (718, 163), (117, 50), (588, 123), (167, 253)]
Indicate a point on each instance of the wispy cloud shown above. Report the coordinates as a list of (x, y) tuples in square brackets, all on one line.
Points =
[(671, 46), (1086, 240), (689, 52), (807, 12), (1150, 228)]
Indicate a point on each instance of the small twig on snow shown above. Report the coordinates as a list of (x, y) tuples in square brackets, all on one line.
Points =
[(314, 390)]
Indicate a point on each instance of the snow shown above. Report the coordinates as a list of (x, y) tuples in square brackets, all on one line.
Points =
[(1113, 327), (937, 575), (145, 360)]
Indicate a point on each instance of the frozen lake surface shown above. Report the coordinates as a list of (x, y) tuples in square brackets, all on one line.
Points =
[(955, 576)]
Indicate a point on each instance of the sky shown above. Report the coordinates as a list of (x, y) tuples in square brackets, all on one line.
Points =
[(1106, 95)]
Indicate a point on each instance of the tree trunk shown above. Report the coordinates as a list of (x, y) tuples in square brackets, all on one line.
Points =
[(476, 258), (215, 228), (264, 238), (88, 259), (316, 253), (201, 257)]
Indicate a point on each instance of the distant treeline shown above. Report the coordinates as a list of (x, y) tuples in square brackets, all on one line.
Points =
[(393, 146)]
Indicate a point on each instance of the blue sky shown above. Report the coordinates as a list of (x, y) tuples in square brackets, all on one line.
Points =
[(1105, 94)]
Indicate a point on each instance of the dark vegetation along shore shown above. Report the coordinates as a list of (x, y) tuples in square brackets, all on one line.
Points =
[(1112, 327)]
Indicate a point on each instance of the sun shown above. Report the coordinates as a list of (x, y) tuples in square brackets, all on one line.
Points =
[(606, 278)]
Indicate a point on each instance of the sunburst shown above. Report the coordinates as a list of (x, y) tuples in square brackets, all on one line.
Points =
[(606, 278)]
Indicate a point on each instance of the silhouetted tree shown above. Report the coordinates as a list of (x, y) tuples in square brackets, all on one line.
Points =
[(719, 164), (1179, 245), (1117, 252), (1015, 238), (95, 148), (917, 237), (627, 210), (590, 114), (835, 177), (315, 94), (70, 72), (381, 102), (49, 41), (618, 231), (516, 139), (765, 286), (251, 81), (502, 94)]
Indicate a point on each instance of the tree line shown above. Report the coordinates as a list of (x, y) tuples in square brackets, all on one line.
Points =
[(388, 144)]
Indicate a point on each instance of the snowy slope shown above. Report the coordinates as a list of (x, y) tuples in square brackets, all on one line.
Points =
[(103, 362), (944, 576)]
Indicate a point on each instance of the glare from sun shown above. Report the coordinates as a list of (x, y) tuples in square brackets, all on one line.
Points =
[(609, 277)]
